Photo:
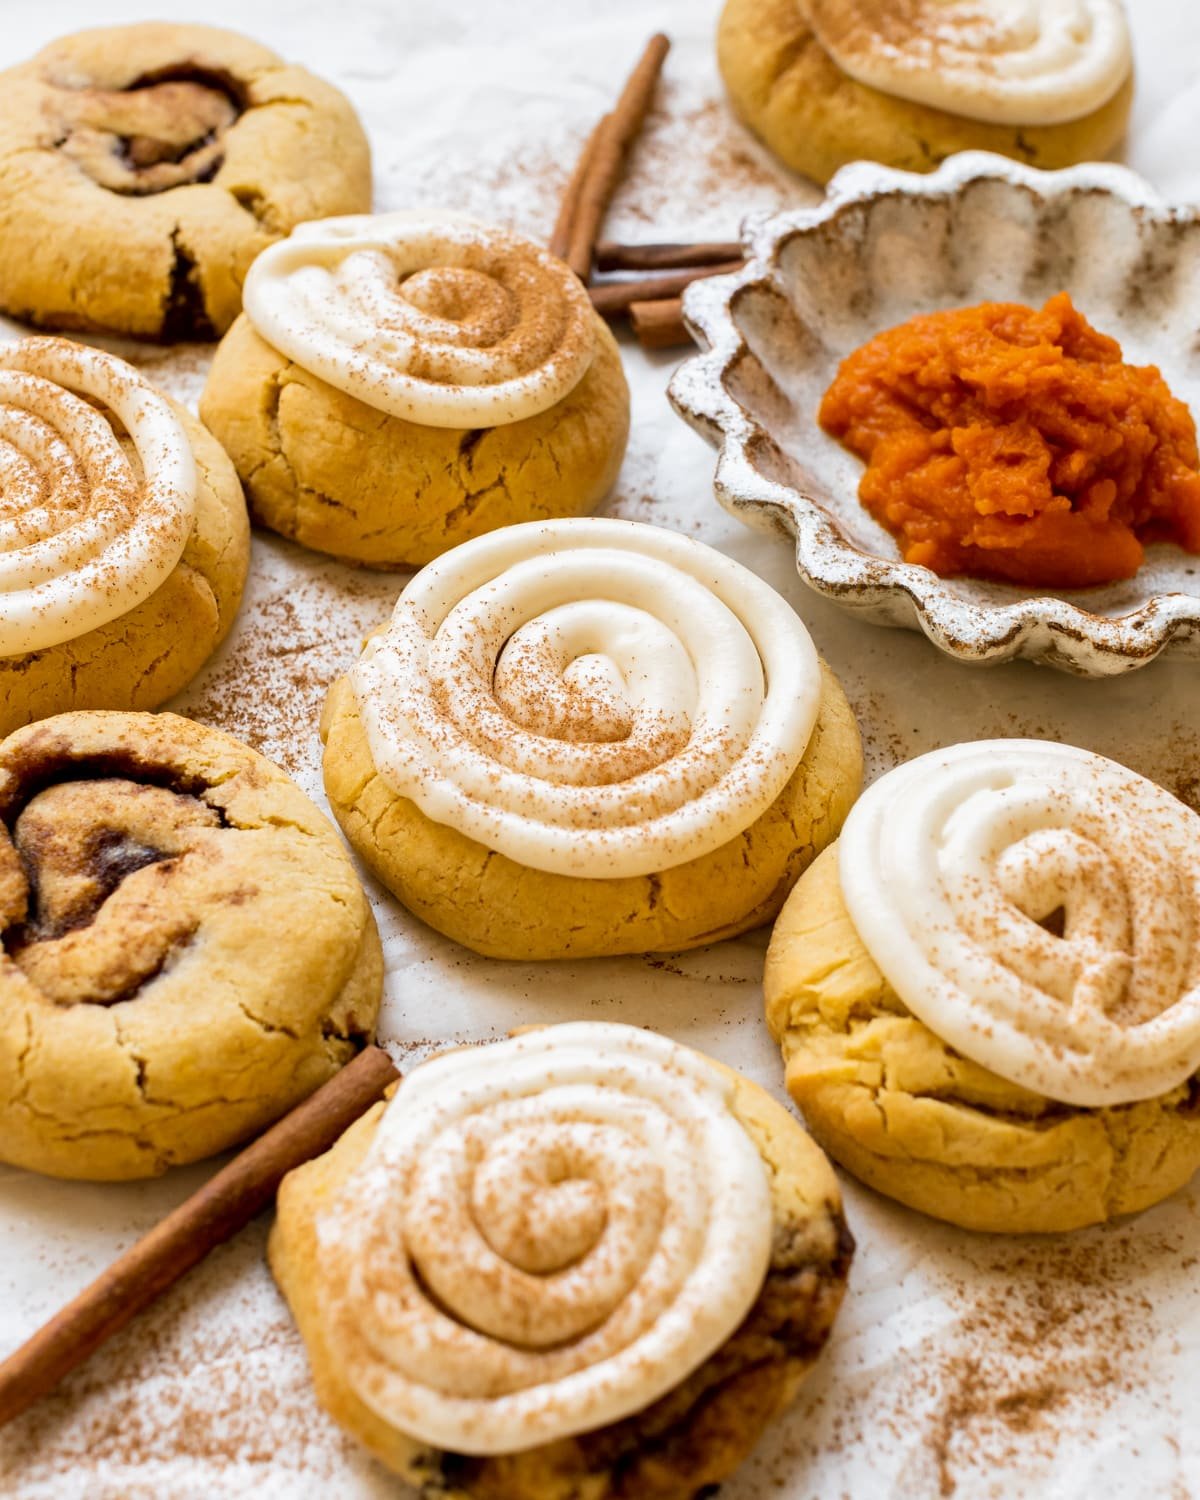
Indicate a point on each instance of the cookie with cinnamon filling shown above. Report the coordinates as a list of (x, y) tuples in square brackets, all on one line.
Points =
[(185, 950), (143, 167), (401, 383), (585, 1261)]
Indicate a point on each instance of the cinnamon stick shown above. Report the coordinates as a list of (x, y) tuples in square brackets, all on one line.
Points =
[(659, 324), (225, 1204), (612, 140), (611, 256), (618, 296), (560, 238)]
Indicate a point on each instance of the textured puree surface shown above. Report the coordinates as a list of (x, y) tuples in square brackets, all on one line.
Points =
[(1004, 441)]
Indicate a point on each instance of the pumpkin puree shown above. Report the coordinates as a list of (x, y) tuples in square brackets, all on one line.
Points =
[(1010, 443)]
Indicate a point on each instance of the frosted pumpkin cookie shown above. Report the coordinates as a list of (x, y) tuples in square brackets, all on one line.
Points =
[(124, 542), (399, 384), (587, 738), (988, 993), (143, 167), (185, 950), (585, 1261), (826, 82)]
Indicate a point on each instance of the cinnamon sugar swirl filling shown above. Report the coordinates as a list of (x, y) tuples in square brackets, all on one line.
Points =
[(158, 133), (185, 949), (105, 888)]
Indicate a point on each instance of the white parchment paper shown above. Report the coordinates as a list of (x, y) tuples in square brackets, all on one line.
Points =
[(961, 1365)]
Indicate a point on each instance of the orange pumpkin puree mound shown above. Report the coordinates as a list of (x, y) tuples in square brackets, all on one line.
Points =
[(1009, 443)]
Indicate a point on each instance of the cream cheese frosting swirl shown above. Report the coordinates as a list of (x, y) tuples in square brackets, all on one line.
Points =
[(440, 321), (1038, 907), (593, 698), (1008, 62), (545, 1236), (92, 519)]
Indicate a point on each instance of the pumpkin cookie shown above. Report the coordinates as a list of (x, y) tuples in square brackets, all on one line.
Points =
[(827, 82), (585, 1261), (126, 546), (185, 950), (988, 993), (143, 167), (399, 384), (587, 738)]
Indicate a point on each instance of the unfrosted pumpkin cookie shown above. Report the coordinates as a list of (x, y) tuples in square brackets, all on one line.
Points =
[(827, 82), (583, 1262), (400, 383), (124, 542), (988, 992), (143, 167), (587, 738), (185, 949)]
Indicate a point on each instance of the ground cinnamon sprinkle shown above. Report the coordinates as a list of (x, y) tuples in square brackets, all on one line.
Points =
[(294, 637), (1048, 1349), (696, 168), (205, 1391)]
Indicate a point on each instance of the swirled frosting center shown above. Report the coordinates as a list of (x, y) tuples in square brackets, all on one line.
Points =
[(1009, 62), (95, 510), (444, 323), (1038, 907), (546, 1236), (590, 697)]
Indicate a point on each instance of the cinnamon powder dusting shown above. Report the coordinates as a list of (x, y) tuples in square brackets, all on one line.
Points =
[(1047, 1352), (294, 637)]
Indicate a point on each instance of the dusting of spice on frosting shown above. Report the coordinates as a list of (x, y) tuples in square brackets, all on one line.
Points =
[(593, 698), (1038, 908), (1008, 62), (546, 1236), (97, 491), (439, 321)]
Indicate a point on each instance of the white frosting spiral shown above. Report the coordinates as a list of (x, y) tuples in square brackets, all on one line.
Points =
[(1010, 62), (546, 1235), (440, 321), (593, 698), (960, 868), (89, 525)]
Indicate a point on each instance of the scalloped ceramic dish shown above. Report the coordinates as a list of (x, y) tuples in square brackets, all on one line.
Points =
[(883, 246)]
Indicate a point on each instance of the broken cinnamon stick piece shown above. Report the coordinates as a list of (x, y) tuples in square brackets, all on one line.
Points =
[(611, 256), (560, 238), (225, 1204), (659, 324), (619, 296), (615, 135)]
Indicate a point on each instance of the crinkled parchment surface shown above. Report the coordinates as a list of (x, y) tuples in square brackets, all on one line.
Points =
[(961, 1365)]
